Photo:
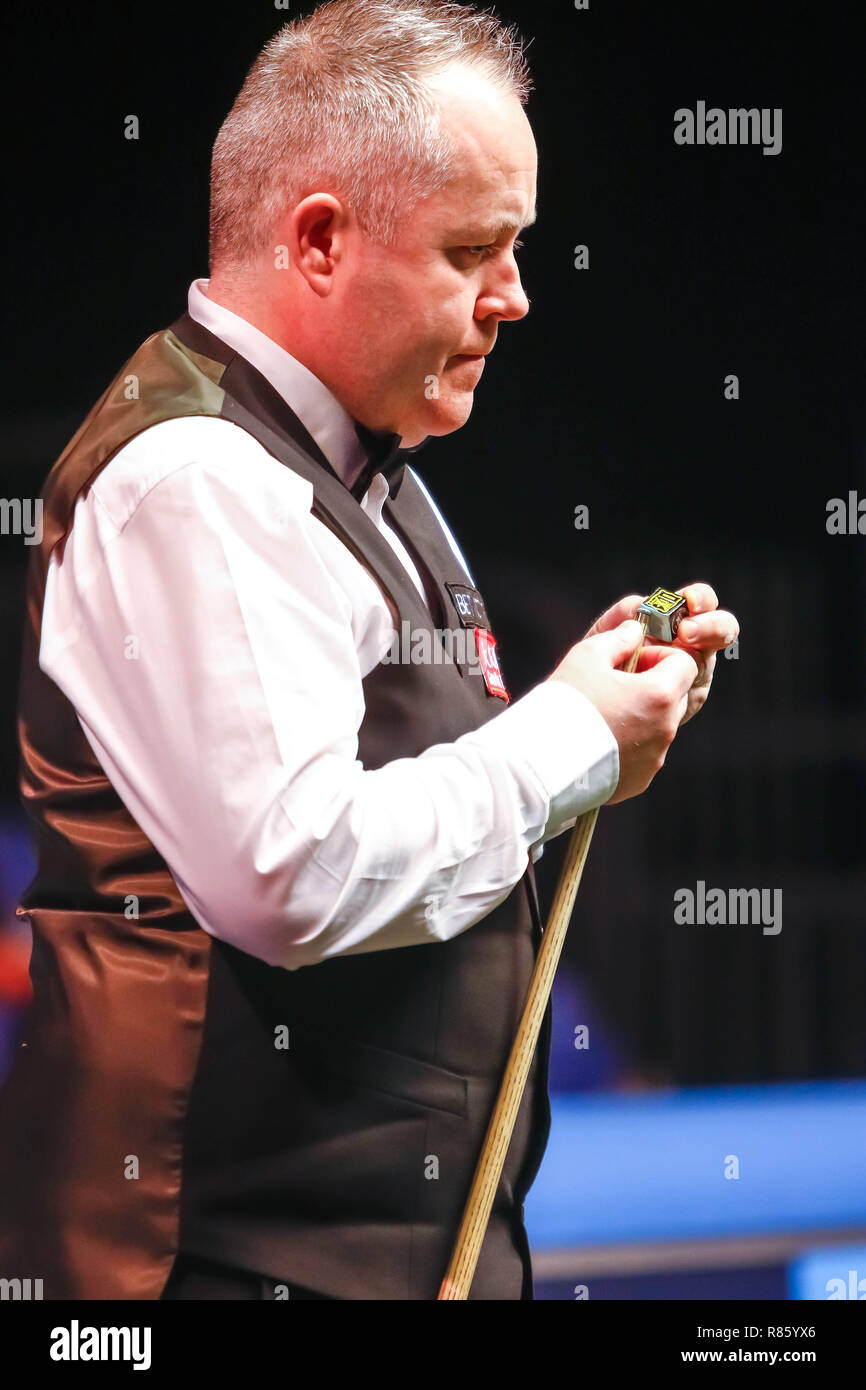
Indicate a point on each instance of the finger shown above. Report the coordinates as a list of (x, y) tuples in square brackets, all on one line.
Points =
[(701, 598), (673, 669), (619, 643), (653, 653), (619, 613), (712, 630), (651, 656), (697, 696), (705, 672)]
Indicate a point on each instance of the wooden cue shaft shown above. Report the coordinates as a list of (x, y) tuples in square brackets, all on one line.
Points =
[(460, 1272)]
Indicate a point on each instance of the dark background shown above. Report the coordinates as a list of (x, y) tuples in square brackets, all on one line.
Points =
[(703, 262)]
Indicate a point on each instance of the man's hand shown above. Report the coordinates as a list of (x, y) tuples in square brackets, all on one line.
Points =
[(707, 629), (643, 709)]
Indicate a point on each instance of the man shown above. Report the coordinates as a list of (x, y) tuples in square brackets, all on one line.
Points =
[(284, 915)]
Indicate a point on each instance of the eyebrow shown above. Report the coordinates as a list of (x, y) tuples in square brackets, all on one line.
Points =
[(492, 230)]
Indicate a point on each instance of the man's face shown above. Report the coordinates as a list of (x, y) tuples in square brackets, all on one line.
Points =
[(411, 321)]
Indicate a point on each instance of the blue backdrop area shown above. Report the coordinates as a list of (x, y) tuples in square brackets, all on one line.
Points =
[(652, 1167)]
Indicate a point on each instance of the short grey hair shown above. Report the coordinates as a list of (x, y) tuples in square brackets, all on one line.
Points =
[(338, 101)]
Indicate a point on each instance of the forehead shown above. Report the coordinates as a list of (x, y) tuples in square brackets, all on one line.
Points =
[(495, 159)]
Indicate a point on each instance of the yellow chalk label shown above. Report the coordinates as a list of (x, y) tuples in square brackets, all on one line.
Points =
[(663, 601)]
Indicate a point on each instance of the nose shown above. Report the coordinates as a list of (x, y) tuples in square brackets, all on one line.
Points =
[(502, 295)]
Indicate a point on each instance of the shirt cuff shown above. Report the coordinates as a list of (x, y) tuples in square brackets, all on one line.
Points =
[(567, 745)]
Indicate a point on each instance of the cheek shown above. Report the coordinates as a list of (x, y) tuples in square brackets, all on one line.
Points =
[(406, 327), (448, 331), (422, 342)]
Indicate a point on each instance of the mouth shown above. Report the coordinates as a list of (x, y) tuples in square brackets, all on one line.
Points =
[(464, 359)]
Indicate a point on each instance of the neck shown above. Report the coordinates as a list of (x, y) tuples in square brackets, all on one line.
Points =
[(244, 294), (245, 297), (248, 296)]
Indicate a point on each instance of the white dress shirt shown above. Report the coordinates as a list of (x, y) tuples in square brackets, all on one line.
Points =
[(212, 636)]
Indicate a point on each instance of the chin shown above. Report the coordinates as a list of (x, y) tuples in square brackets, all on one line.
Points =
[(448, 415)]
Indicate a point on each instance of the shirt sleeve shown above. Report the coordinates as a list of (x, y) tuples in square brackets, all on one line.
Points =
[(213, 636)]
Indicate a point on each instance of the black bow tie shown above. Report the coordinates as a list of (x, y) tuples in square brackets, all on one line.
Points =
[(384, 455)]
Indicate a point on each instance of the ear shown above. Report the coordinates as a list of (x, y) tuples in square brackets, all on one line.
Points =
[(314, 238)]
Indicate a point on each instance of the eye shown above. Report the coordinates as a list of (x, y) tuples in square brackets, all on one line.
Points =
[(488, 250)]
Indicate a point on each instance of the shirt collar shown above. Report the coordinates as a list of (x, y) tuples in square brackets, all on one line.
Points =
[(355, 452)]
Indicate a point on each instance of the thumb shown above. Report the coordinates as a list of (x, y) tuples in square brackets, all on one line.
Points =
[(619, 642)]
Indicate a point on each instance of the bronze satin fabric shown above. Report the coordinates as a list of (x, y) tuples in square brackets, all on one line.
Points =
[(119, 1001)]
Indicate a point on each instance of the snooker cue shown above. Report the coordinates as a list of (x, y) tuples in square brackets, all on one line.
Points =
[(467, 1248)]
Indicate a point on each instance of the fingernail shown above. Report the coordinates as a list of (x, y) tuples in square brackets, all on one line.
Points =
[(688, 630)]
